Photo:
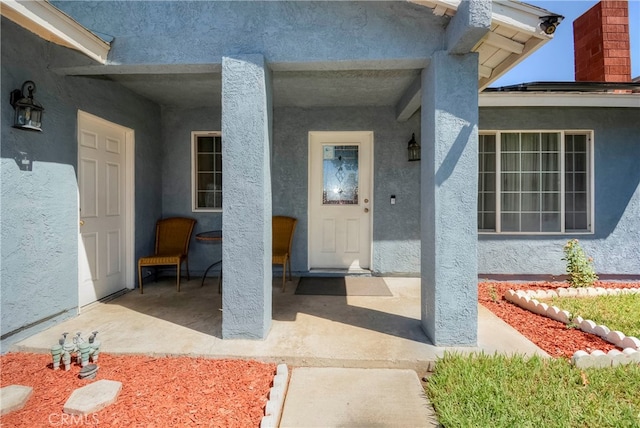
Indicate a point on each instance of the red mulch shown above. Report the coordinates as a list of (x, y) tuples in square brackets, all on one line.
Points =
[(156, 392), (552, 336)]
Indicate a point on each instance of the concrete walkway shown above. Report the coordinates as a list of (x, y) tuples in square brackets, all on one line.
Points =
[(340, 349), (341, 397), (329, 331)]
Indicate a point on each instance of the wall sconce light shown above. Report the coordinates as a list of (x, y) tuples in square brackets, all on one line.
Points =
[(414, 149), (28, 113)]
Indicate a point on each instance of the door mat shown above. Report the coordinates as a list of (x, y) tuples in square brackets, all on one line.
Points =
[(343, 286)]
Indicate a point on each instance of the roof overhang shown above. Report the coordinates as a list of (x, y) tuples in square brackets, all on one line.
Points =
[(515, 34), (51, 24), (558, 99)]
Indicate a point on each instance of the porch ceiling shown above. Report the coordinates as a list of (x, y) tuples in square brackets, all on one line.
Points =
[(340, 88), (514, 35)]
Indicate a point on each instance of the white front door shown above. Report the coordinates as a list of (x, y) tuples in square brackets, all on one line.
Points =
[(103, 261), (340, 199)]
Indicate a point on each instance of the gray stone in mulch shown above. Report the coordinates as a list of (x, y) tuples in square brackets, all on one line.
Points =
[(93, 397), (14, 397)]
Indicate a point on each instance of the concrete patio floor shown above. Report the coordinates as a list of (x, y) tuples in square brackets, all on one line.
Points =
[(321, 331)]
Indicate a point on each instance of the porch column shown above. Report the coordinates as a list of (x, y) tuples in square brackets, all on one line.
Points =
[(246, 196), (449, 181)]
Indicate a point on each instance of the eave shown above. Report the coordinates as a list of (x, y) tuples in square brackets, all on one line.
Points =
[(51, 24), (559, 99), (515, 34)]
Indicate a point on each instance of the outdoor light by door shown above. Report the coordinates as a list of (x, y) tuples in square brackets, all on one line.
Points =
[(28, 111), (414, 149)]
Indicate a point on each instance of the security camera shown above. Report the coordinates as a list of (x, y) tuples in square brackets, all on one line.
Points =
[(549, 23)]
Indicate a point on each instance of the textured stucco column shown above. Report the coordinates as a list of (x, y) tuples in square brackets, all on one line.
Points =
[(246, 218), (449, 176)]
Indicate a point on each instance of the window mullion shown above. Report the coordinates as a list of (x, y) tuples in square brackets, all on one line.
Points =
[(520, 194), (562, 183), (590, 183), (194, 172), (540, 185), (498, 181)]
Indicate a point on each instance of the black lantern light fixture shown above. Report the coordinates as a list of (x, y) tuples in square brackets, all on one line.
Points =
[(28, 112), (414, 149)]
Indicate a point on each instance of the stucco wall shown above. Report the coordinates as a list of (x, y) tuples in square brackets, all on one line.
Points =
[(396, 234), (177, 125), (615, 245), (284, 32), (39, 207), (396, 228)]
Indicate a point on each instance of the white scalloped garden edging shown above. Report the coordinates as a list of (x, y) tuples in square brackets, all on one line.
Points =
[(273, 409), (629, 344)]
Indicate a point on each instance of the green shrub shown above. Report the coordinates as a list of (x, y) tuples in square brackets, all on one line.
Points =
[(579, 266)]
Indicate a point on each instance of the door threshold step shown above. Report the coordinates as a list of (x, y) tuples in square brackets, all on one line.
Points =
[(332, 272)]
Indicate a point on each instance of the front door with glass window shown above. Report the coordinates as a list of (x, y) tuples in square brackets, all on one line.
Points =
[(340, 190)]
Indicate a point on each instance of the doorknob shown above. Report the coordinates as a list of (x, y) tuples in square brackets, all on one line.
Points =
[(366, 210), (366, 201), (81, 222)]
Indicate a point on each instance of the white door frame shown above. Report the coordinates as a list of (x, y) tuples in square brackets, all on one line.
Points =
[(369, 135), (129, 209)]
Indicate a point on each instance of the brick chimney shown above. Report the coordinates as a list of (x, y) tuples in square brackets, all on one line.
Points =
[(601, 43)]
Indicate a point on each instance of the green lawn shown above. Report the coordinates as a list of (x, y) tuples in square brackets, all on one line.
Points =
[(621, 313), (499, 391)]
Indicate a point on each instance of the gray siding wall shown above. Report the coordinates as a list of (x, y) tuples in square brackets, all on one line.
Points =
[(396, 234), (39, 208), (615, 245)]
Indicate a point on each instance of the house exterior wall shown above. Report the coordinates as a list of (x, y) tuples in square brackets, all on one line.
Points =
[(292, 36), (39, 208), (289, 33), (615, 245), (396, 228), (177, 125)]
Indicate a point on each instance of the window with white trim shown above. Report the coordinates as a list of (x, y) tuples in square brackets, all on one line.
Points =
[(206, 170), (535, 182)]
